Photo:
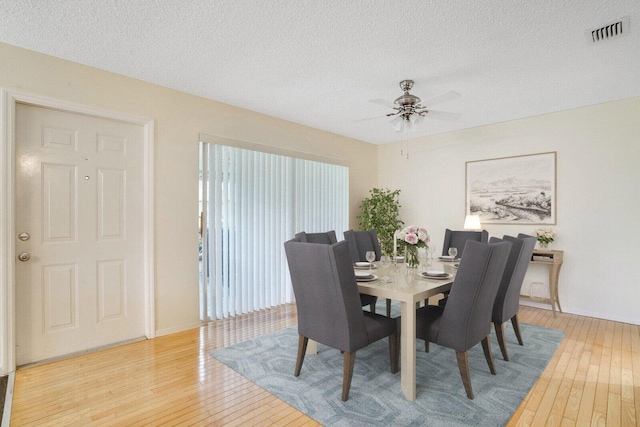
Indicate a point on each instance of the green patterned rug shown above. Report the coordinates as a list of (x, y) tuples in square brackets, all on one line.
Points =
[(375, 397)]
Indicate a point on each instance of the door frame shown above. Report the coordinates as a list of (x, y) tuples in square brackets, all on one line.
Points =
[(8, 100)]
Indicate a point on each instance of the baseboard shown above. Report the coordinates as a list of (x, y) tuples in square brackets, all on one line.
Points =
[(176, 329)]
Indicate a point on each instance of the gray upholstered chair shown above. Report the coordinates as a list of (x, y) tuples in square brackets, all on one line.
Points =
[(328, 237), (466, 318), (457, 239), (329, 309), (507, 302), (359, 243)]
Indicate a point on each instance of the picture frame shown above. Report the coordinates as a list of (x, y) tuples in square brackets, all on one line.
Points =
[(512, 190)]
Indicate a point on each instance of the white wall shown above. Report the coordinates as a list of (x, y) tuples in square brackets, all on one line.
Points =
[(179, 119), (598, 208)]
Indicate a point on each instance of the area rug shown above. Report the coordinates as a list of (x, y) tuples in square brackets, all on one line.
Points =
[(376, 398)]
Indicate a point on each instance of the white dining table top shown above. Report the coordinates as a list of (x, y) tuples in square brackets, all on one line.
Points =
[(407, 284)]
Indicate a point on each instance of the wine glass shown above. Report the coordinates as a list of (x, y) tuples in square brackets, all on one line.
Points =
[(452, 253), (370, 256), (385, 262), (432, 250)]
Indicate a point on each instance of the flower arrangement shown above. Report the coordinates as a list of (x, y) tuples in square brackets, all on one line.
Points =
[(544, 236), (412, 238)]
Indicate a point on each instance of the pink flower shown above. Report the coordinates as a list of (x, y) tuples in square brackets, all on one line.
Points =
[(412, 229), (411, 238)]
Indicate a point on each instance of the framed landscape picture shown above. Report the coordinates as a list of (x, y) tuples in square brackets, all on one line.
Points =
[(513, 190)]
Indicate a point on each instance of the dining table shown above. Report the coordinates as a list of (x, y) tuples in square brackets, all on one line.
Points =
[(410, 286)]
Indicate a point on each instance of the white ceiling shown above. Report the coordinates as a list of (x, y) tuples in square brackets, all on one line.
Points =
[(319, 62)]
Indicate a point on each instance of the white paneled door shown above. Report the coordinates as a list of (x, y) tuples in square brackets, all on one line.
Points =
[(79, 233)]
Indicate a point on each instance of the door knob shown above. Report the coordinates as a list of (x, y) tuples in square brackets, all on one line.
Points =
[(24, 256)]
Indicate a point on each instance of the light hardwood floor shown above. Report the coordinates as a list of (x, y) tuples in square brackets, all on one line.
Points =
[(593, 379)]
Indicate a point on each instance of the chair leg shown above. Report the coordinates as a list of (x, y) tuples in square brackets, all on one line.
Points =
[(349, 363), (302, 349), (394, 352), (372, 308), (463, 366), (426, 346), (499, 327), (516, 328), (388, 307), (486, 346)]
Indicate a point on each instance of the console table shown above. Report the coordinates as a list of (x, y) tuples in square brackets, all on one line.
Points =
[(553, 259)]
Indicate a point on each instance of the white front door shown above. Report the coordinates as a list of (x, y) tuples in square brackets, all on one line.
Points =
[(79, 217)]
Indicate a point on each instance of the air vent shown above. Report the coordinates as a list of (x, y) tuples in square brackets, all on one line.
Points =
[(615, 29)]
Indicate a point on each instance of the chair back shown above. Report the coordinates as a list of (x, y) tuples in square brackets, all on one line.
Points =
[(457, 239), (327, 298), (328, 238), (466, 319), (360, 242), (507, 301)]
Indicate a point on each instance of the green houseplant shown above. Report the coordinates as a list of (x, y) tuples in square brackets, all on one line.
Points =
[(381, 212)]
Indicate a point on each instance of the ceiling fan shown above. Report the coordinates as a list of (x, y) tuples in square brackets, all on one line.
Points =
[(410, 112)]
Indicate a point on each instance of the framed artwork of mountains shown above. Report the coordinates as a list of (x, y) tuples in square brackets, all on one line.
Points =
[(513, 190)]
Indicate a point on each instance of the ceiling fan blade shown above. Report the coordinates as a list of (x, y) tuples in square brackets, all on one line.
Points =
[(442, 115), (449, 96), (369, 118), (383, 102)]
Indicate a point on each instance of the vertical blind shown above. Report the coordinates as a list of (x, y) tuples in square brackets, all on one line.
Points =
[(252, 203)]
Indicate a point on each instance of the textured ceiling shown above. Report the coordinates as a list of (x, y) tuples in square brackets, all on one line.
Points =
[(319, 62)]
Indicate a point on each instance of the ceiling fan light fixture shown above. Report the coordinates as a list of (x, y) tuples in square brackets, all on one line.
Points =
[(417, 119), (396, 123), (408, 112)]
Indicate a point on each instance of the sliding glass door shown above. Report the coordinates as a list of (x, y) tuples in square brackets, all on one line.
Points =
[(251, 203)]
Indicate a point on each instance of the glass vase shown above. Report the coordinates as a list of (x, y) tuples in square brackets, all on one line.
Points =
[(411, 256)]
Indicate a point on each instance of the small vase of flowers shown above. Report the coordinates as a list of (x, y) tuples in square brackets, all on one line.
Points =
[(412, 238), (544, 236)]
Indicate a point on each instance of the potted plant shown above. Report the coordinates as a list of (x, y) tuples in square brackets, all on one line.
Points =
[(381, 212)]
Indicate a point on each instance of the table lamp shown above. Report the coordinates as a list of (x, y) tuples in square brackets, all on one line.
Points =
[(472, 222)]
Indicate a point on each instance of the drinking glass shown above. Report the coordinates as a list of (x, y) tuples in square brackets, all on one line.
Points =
[(432, 250), (424, 259), (370, 256), (385, 262), (452, 253)]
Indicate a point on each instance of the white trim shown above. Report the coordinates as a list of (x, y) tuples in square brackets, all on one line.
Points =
[(8, 100), (181, 328)]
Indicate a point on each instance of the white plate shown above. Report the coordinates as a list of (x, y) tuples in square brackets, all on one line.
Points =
[(448, 276), (361, 273), (361, 264), (368, 279), (355, 267), (435, 273)]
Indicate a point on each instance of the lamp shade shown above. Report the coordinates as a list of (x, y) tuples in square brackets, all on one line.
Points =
[(472, 222)]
